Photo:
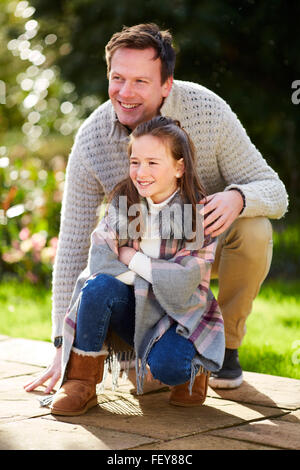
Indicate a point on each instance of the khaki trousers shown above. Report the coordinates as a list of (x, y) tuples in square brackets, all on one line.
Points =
[(242, 262)]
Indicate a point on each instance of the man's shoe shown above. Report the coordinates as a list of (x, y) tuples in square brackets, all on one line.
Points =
[(180, 395), (231, 374)]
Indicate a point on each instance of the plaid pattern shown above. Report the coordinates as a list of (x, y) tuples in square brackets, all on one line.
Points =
[(179, 292)]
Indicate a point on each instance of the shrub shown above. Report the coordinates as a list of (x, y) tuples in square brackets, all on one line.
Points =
[(29, 215)]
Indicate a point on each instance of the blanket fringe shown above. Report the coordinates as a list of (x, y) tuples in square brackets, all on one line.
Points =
[(113, 365), (141, 367), (127, 359), (46, 401), (195, 370)]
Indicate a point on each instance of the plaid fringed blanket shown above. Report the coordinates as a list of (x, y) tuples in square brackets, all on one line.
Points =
[(179, 292)]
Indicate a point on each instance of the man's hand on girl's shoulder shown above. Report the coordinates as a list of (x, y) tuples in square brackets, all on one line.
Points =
[(221, 210)]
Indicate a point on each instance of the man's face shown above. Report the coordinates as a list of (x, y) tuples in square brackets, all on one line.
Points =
[(135, 87)]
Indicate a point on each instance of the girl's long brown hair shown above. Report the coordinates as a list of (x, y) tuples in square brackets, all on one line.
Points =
[(181, 146)]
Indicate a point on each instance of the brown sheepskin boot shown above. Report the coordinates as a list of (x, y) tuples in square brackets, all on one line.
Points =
[(78, 393), (180, 394)]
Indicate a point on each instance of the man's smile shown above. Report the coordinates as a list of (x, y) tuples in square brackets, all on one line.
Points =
[(128, 105)]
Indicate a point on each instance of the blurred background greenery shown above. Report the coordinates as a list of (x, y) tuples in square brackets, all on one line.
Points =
[(53, 75)]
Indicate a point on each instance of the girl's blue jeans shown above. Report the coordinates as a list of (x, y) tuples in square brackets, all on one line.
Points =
[(105, 302)]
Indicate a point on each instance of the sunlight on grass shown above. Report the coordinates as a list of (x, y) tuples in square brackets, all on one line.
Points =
[(25, 311), (273, 330)]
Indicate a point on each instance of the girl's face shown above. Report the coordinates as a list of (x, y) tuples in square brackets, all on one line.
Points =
[(153, 170)]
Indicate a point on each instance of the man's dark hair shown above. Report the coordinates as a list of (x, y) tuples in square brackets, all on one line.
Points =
[(143, 36)]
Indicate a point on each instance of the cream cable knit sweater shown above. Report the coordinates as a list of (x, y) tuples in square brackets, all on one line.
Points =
[(226, 159)]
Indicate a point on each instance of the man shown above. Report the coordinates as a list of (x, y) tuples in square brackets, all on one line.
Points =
[(243, 190)]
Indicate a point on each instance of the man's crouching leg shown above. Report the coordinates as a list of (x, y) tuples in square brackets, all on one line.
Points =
[(242, 262)]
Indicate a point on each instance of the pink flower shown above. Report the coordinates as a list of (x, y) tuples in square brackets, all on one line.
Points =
[(24, 234), (38, 241), (53, 242), (13, 256)]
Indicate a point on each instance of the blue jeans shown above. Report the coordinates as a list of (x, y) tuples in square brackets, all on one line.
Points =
[(108, 302)]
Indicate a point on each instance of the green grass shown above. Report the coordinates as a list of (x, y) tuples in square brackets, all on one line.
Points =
[(273, 329), (25, 311), (272, 342), (271, 345)]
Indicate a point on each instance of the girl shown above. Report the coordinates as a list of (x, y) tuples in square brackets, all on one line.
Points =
[(146, 287)]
